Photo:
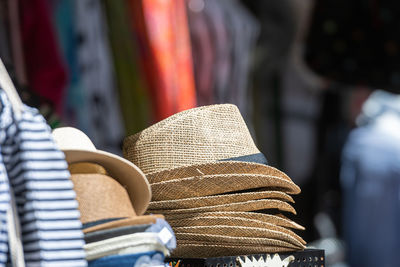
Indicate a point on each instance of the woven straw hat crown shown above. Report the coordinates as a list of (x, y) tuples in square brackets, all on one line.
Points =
[(200, 135)]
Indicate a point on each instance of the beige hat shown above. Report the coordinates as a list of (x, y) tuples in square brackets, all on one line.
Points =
[(79, 148), (230, 221), (206, 185), (223, 167), (104, 203), (279, 220), (231, 240), (250, 205), (241, 231), (195, 202), (207, 136)]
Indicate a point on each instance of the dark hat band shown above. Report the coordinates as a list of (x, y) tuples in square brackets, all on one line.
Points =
[(255, 158)]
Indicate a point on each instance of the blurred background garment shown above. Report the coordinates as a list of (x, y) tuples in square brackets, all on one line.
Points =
[(370, 177), (105, 123), (75, 112), (132, 88), (163, 36), (223, 36), (46, 73)]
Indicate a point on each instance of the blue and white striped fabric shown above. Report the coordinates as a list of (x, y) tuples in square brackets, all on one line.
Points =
[(36, 170)]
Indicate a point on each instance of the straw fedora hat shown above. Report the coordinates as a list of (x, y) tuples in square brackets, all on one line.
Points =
[(104, 203), (79, 148), (195, 202), (208, 137), (231, 221), (250, 205), (207, 185), (241, 231), (278, 220), (238, 240)]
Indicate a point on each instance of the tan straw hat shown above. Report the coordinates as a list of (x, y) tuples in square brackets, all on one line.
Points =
[(231, 221), (104, 203), (241, 231), (195, 202), (279, 220), (223, 167), (207, 136), (250, 205), (79, 148), (222, 239), (207, 185)]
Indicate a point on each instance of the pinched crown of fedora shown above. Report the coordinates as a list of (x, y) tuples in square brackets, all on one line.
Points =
[(200, 135)]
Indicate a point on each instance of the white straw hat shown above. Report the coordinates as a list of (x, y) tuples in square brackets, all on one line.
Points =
[(77, 147)]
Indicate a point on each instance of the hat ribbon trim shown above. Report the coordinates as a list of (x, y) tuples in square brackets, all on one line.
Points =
[(255, 158)]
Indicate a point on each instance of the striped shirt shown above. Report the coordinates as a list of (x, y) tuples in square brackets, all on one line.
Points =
[(47, 208)]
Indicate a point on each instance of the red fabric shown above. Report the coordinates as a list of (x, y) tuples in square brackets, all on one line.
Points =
[(45, 70), (163, 35)]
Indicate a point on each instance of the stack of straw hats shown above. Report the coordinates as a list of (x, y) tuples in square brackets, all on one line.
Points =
[(113, 194), (214, 186)]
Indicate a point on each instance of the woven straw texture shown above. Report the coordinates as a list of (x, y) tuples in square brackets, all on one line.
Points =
[(101, 197), (230, 221), (196, 202), (206, 199), (200, 135), (202, 250), (173, 219), (251, 205), (217, 184), (138, 220), (86, 167), (221, 167), (240, 231), (222, 239)]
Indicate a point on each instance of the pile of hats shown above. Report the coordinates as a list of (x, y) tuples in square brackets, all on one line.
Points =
[(113, 195), (214, 186)]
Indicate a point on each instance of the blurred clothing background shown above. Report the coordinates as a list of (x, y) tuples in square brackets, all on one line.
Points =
[(303, 73)]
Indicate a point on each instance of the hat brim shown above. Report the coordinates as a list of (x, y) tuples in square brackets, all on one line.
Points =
[(122, 170), (221, 239), (210, 221), (196, 202), (145, 219), (251, 205), (242, 231), (213, 184), (279, 220), (214, 168)]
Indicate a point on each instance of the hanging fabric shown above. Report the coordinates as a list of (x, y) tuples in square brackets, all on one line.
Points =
[(105, 121), (163, 37), (34, 176), (243, 30), (223, 35), (134, 98), (75, 111), (204, 50), (45, 70), (5, 44)]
